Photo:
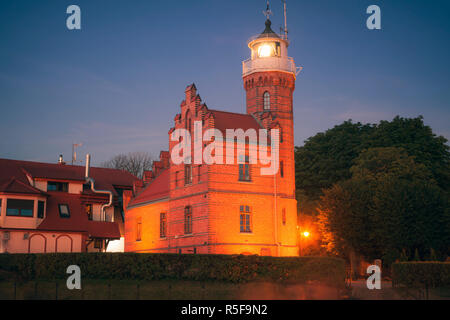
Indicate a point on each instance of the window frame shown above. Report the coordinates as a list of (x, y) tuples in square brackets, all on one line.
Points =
[(244, 170), (90, 214), (39, 215), (139, 229), (245, 219), (19, 213), (60, 186), (266, 101), (60, 205), (163, 225), (188, 220), (187, 174)]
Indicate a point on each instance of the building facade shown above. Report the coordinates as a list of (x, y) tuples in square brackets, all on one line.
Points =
[(228, 208), (48, 207)]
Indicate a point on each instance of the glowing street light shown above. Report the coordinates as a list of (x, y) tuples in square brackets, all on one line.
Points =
[(306, 234)]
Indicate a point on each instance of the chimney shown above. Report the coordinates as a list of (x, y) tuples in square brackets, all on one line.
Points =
[(138, 185), (148, 176), (88, 164), (60, 159)]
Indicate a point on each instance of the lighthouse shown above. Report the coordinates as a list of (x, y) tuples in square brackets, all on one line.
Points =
[(269, 81)]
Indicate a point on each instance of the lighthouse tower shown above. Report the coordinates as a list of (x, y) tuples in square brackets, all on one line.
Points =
[(269, 81)]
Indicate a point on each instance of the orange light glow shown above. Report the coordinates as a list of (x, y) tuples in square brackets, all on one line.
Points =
[(306, 234)]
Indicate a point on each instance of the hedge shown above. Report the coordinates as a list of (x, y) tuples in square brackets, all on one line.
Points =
[(150, 266), (421, 274)]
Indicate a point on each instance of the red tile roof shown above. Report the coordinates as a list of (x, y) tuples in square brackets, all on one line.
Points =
[(158, 189), (13, 179), (16, 186), (105, 179), (229, 120), (78, 220)]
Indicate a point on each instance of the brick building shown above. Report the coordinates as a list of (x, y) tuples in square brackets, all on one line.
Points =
[(225, 208), (49, 207)]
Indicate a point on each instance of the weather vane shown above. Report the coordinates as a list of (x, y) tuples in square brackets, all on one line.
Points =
[(267, 12)]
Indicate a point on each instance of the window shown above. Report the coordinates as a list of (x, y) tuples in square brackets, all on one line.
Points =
[(283, 216), (18, 207), (266, 98), (187, 174), (88, 209), (162, 225), (281, 169), (64, 211), (245, 219), (188, 220), (86, 186), (244, 170), (98, 243), (57, 186), (138, 229), (41, 206)]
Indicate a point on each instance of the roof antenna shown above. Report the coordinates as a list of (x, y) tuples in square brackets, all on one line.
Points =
[(284, 30), (267, 12)]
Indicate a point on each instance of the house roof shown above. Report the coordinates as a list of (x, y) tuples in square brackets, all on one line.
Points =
[(156, 190), (105, 178), (14, 185), (78, 220), (229, 120), (14, 179)]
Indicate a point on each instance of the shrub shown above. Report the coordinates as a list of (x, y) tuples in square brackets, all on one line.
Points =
[(421, 274), (148, 266)]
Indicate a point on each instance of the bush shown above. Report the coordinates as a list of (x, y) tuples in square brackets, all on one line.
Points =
[(421, 274), (148, 266)]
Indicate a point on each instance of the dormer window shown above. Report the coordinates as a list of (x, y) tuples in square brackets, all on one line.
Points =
[(266, 98), (64, 211), (57, 186)]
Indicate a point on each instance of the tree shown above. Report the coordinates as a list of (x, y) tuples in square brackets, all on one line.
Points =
[(326, 158), (134, 162), (390, 203)]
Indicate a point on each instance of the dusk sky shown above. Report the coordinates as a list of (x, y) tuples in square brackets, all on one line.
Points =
[(116, 84)]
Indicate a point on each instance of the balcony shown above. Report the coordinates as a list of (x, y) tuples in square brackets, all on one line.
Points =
[(269, 64)]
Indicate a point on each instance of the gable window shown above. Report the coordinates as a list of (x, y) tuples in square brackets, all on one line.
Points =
[(244, 170), (64, 210), (162, 225), (138, 229), (57, 186), (19, 208), (41, 206), (88, 209), (266, 98), (245, 219), (187, 174), (188, 220)]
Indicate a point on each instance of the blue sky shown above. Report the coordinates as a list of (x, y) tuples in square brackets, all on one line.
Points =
[(116, 84)]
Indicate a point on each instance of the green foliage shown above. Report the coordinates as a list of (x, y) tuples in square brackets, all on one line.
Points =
[(389, 204), (421, 274), (326, 158), (145, 266)]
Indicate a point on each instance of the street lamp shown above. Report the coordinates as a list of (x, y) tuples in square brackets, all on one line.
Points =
[(304, 234)]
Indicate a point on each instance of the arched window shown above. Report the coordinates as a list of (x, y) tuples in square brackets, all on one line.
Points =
[(266, 97)]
